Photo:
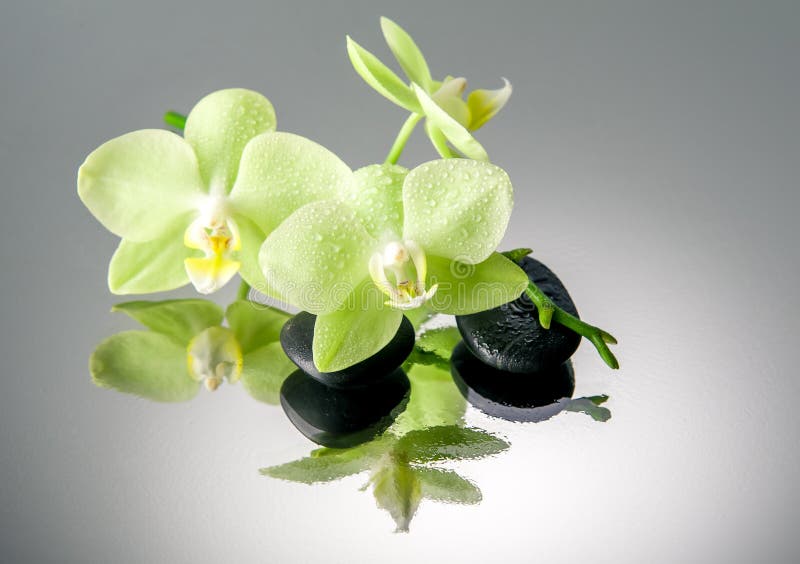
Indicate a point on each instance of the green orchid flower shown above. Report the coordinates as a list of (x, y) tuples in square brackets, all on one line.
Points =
[(186, 347), (448, 117), (196, 209), (397, 241)]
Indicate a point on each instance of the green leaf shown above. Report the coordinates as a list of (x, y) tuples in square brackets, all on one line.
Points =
[(378, 75), (447, 486), (407, 53), (143, 363), (456, 133), (450, 443), (376, 195), (457, 208), (435, 400), (484, 104), (317, 257), (154, 266), (313, 470), (281, 172), (397, 489), (220, 126), (137, 185), (356, 331), (264, 371), (470, 288), (181, 319), (255, 325)]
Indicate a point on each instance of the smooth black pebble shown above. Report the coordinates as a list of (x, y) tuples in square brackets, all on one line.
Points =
[(297, 336), (510, 338), (511, 396), (343, 418)]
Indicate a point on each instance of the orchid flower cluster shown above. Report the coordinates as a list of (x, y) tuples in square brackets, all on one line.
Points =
[(359, 249)]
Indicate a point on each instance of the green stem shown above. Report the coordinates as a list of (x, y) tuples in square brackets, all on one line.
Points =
[(549, 311), (244, 291), (174, 119), (402, 138)]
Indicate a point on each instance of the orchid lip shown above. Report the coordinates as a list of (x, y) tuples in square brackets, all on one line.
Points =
[(216, 234), (399, 271)]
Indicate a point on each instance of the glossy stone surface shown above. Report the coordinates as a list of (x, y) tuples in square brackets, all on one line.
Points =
[(297, 336), (510, 338), (512, 396), (342, 418)]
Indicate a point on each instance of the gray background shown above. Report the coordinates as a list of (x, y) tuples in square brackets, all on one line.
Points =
[(655, 152)]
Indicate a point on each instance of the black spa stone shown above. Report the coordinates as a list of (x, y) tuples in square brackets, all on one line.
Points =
[(297, 336), (512, 396), (339, 417), (510, 338)]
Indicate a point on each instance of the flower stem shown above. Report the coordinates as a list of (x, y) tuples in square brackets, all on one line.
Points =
[(244, 291), (549, 311), (174, 119), (402, 138)]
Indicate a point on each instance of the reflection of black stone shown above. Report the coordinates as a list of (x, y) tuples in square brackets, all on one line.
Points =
[(515, 397), (342, 418), (297, 336), (510, 338)]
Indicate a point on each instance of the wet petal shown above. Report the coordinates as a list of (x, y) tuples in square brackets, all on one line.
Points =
[(281, 172), (355, 332), (220, 126), (376, 195), (457, 208), (317, 256)]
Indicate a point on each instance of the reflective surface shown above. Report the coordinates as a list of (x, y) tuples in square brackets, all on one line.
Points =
[(653, 150)]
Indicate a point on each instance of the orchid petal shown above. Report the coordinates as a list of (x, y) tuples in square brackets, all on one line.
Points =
[(317, 256), (153, 266), (281, 172), (454, 131), (209, 274), (145, 364), (407, 53), (470, 288), (457, 208), (381, 78), (355, 332), (255, 325), (181, 319), (484, 104), (376, 195), (220, 126), (137, 184), (264, 371)]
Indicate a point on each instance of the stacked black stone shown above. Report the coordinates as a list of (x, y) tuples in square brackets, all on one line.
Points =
[(349, 407), (510, 366)]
